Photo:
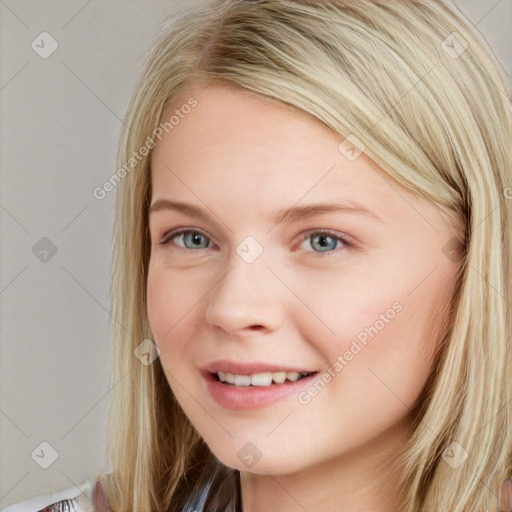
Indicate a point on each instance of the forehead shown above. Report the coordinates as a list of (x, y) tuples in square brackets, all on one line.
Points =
[(256, 155), (233, 116)]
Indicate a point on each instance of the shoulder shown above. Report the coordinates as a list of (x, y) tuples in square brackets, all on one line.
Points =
[(88, 497)]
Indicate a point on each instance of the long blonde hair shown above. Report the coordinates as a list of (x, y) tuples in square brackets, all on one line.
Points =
[(417, 85)]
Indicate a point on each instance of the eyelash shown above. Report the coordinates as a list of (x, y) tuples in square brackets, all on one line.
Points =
[(169, 236)]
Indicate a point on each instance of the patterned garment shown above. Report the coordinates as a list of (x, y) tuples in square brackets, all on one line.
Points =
[(91, 497), (88, 497)]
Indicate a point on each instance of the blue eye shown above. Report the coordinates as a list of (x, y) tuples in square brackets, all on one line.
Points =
[(319, 241), (189, 239), (323, 241)]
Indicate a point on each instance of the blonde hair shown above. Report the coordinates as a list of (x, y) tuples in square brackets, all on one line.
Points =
[(416, 84)]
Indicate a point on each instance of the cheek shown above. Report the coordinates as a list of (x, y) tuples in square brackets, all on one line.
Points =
[(170, 300), (378, 332), (160, 307), (170, 307), (346, 307)]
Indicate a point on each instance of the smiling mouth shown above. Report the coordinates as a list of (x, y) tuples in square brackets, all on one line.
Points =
[(264, 379)]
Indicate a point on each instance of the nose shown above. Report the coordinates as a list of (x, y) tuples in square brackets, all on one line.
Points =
[(246, 299)]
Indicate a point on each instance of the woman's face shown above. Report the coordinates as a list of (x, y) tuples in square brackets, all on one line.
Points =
[(276, 250)]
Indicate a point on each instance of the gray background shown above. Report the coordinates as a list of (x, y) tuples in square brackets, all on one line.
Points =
[(60, 124)]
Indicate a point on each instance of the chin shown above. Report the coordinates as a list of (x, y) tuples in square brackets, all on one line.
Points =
[(260, 459)]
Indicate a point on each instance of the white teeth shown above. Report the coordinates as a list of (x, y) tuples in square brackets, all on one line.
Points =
[(259, 379), (293, 376), (242, 380), (279, 377)]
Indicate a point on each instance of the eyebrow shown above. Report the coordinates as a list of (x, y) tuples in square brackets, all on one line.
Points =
[(292, 214), (296, 213)]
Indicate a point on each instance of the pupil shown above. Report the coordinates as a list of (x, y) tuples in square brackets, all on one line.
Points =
[(193, 239), (324, 241)]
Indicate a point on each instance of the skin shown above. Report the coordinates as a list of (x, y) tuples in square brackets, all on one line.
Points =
[(240, 159)]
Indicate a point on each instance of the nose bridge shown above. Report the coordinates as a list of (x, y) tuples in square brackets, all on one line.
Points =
[(248, 293)]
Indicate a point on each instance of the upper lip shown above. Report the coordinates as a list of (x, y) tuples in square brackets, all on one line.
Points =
[(251, 368)]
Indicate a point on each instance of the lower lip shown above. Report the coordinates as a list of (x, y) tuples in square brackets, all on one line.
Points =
[(252, 397)]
